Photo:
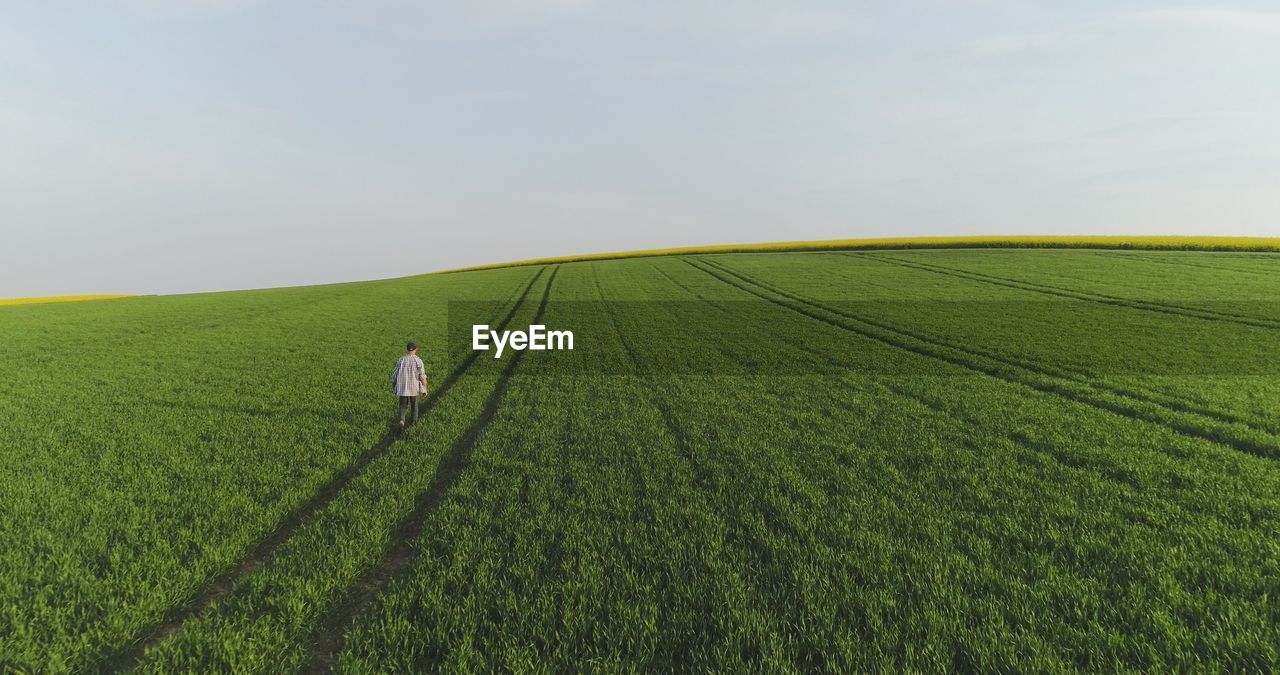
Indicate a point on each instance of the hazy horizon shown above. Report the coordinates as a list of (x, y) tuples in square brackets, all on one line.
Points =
[(165, 147)]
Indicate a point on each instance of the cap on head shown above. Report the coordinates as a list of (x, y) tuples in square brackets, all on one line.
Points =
[(411, 346)]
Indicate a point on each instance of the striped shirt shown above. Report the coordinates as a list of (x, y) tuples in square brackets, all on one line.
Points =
[(406, 378)]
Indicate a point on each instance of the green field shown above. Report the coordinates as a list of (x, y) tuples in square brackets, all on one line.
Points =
[(1017, 460)]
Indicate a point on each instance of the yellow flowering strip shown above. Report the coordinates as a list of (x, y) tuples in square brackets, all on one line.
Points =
[(1175, 243), (57, 298)]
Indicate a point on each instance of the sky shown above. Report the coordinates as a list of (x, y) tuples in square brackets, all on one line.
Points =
[(168, 146)]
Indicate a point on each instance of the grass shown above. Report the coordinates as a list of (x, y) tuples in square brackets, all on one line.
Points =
[(837, 460)]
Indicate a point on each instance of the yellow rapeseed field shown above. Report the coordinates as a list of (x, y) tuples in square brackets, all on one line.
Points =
[(1267, 244), (56, 298)]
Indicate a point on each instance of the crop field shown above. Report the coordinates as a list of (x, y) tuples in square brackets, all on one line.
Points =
[(996, 459)]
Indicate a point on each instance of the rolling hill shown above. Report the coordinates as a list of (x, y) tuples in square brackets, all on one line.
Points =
[(843, 459)]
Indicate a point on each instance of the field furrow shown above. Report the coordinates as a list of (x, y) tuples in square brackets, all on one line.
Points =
[(1220, 266), (398, 554), (297, 519), (1216, 371), (276, 613), (688, 530), (758, 462), (1178, 402), (1257, 443), (197, 424), (1144, 305)]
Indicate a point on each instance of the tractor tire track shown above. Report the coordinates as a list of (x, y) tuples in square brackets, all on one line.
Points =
[(1116, 301), (362, 595), (1134, 408), (1186, 263), (1018, 439), (1172, 402), (682, 286), (133, 652), (701, 476), (683, 447)]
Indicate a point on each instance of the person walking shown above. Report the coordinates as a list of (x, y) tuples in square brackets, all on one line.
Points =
[(409, 381)]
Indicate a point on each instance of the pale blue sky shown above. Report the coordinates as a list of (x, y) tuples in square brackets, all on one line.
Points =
[(156, 146)]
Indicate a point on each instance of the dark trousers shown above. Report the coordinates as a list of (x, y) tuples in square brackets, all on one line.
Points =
[(406, 401)]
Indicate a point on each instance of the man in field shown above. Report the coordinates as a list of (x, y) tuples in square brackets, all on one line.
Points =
[(408, 381)]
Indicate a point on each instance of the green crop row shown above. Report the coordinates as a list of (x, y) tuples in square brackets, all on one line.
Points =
[(931, 521), (1037, 344), (150, 444), (922, 460), (269, 622)]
